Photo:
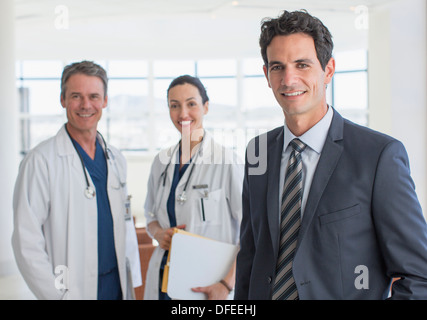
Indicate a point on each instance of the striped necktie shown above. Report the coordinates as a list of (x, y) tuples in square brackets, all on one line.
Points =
[(290, 221)]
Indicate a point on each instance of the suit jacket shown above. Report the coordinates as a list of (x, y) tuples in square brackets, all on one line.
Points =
[(362, 224)]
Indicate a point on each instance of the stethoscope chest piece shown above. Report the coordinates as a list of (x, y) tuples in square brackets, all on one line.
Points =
[(182, 198), (90, 193)]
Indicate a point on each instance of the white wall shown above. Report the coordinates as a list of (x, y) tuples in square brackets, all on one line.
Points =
[(8, 133), (138, 173), (398, 80)]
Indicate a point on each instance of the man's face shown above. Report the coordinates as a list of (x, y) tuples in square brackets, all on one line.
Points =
[(295, 75), (84, 101)]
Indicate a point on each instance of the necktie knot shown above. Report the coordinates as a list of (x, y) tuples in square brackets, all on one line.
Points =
[(298, 145)]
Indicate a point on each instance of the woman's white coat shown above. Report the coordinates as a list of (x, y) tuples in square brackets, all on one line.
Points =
[(217, 179)]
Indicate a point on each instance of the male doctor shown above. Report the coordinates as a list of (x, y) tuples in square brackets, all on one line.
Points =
[(73, 233)]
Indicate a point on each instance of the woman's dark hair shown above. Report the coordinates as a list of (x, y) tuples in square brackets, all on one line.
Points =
[(297, 22), (190, 80)]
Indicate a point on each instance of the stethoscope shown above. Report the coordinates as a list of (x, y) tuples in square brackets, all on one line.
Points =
[(89, 191), (182, 198)]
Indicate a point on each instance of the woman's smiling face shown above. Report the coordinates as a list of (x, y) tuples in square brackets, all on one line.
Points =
[(186, 107)]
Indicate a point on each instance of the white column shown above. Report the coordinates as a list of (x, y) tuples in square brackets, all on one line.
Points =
[(398, 80), (8, 133)]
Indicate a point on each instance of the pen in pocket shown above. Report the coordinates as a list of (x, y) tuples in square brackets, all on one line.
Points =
[(203, 210)]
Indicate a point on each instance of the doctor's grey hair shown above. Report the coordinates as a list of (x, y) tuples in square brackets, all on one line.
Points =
[(88, 68)]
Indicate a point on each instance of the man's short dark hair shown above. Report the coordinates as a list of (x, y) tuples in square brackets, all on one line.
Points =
[(297, 22)]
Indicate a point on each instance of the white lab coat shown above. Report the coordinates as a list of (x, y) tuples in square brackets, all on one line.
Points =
[(219, 172), (55, 225)]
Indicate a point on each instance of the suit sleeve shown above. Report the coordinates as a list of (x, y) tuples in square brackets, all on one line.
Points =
[(400, 224), (247, 247)]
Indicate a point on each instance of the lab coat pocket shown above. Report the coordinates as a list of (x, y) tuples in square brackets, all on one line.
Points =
[(209, 207)]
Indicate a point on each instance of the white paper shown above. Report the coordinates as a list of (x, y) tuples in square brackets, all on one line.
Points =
[(197, 262)]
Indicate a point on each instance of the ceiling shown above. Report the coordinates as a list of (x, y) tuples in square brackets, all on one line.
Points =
[(165, 29)]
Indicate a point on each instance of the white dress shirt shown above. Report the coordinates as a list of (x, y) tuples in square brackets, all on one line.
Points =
[(314, 139)]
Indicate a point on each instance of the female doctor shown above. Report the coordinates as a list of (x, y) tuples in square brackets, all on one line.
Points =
[(195, 185)]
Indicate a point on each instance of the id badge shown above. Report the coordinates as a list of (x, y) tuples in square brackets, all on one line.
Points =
[(128, 214)]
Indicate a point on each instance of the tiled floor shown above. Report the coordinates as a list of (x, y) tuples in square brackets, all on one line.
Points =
[(13, 287)]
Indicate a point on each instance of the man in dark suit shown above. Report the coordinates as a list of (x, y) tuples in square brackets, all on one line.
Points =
[(345, 220)]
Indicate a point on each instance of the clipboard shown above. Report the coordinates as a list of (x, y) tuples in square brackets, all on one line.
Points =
[(166, 269), (195, 261)]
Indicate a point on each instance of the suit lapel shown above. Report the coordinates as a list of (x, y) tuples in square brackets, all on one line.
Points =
[(327, 163), (273, 171)]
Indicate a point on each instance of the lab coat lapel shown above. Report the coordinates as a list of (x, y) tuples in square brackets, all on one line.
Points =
[(274, 153), (331, 153), (65, 148), (200, 157), (172, 158)]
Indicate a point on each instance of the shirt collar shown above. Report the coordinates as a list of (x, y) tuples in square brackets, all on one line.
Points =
[(315, 137)]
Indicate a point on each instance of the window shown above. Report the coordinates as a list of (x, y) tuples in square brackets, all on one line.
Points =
[(350, 85), (39, 105), (137, 117), (259, 106)]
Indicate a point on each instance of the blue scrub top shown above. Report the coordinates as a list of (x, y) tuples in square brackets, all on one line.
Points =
[(170, 205), (177, 175), (108, 274)]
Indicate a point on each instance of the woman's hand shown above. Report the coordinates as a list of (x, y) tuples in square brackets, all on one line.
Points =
[(216, 291), (220, 291), (164, 236)]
